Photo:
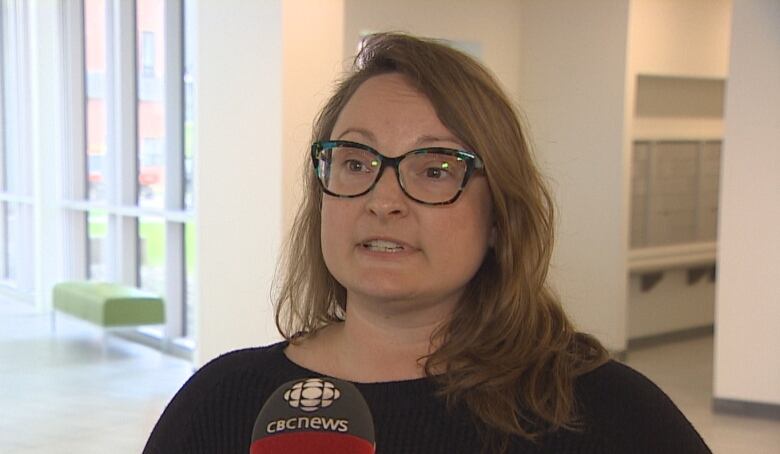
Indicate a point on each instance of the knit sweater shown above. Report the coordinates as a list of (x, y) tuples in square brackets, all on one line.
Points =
[(215, 411)]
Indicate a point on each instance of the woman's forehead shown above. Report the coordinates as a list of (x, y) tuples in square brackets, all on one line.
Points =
[(388, 107)]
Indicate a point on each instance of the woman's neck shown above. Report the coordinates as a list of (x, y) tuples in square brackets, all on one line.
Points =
[(372, 344)]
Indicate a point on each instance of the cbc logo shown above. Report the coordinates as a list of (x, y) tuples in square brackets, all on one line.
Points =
[(312, 394)]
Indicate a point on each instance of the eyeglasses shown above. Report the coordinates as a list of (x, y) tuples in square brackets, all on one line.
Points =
[(432, 176)]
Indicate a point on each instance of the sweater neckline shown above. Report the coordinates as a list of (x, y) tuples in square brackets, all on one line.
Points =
[(422, 384)]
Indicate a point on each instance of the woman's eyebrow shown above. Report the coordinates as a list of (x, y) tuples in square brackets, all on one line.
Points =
[(363, 132), (426, 139), (422, 140)]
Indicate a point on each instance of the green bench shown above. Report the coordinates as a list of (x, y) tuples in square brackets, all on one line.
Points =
[(107, 304)]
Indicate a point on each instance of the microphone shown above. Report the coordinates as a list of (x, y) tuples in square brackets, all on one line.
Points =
[(314, 416)]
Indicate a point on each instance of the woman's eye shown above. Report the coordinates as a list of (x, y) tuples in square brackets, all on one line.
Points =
[(433, 172), (356, 166), (437, 172)]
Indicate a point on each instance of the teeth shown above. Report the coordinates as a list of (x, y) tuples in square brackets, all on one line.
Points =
[(383, 246)]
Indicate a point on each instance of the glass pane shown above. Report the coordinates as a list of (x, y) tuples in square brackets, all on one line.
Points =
[(151, 110), (189, 107), (14, 241), (190, 269), (97, 235), (151, 242), (17, 171), (19, 262), (5, 109), (95, 61), (4, 241)]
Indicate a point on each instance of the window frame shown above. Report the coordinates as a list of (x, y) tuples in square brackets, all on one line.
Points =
[(3, 228)]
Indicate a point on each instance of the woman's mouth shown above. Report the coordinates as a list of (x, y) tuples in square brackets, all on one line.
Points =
[(382, 246)]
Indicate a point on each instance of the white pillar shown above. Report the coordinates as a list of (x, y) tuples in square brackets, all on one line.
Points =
[(747, 310), (572, 88), (46, 114), (238, 171)]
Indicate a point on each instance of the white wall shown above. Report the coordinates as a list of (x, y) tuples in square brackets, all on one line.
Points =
[(238, 171), (494, 28), (671, 306), (313, 53), (747, 338), (681, 38), (572, 76), (558, 60), (688, 39), (570, 66)]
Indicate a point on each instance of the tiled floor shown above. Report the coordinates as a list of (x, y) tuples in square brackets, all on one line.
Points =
[(684, 371), (79, 392)]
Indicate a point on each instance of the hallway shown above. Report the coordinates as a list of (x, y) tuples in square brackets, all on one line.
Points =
[(78, 391)]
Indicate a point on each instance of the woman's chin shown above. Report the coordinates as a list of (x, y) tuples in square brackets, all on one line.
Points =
[(395, 298)]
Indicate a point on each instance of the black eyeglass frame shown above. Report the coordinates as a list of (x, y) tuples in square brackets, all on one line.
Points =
[(472, 160)]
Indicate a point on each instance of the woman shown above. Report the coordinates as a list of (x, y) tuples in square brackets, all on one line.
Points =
[(417, 270)]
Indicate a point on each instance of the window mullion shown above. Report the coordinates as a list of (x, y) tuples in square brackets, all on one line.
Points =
[(74, 182), (2, 112), (122, 131), (22, 174), (174, 168)]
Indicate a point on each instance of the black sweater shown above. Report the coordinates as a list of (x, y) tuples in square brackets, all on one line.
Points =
[(215, 411)]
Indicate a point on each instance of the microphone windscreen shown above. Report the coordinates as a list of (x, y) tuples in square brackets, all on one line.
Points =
[(314, 416)]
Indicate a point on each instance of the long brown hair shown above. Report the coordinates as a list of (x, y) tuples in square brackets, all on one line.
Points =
[(508, 352)]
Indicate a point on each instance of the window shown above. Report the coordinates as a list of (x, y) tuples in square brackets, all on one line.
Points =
[(189, 102), (3, 206), (189, 292), (188, 164), (135, 220), (147, 54), (95, 44), (126, 149), (97, 235), (16, 202), (151, 237), (151, 106)]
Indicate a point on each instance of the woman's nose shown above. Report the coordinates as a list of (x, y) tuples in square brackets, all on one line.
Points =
[(387, 198)]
